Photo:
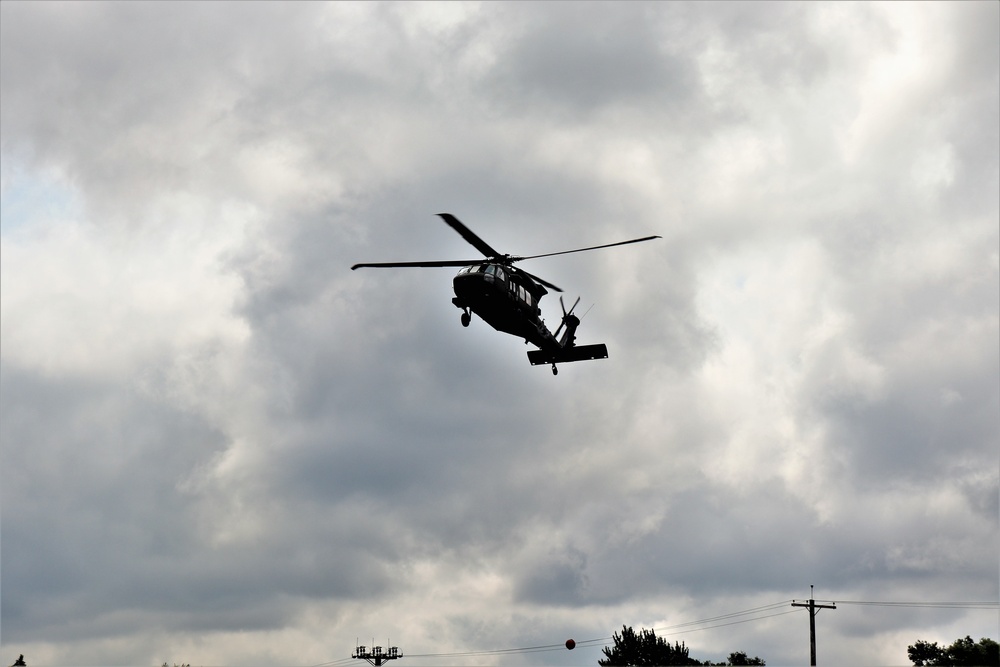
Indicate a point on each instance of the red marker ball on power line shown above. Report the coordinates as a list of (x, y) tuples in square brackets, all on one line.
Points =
[(570, 644)]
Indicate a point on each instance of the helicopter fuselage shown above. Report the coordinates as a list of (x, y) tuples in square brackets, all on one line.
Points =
[(505, 300)]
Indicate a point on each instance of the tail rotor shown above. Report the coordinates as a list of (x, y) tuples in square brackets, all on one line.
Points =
[(570, 321), (568, 350)]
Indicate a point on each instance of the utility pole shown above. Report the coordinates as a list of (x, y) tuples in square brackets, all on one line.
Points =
[(813, 610), (376, 656)]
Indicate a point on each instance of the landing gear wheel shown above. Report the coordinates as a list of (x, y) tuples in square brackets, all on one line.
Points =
[(466, 318), (555, 371)]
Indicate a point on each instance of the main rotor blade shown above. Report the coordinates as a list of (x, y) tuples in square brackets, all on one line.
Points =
[(539, 280), (447, 262), (467, 234), (596, 247)]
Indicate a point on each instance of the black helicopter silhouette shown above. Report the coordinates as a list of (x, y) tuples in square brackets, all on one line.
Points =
[(507, 297)]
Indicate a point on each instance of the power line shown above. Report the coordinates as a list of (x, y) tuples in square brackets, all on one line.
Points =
[(755, 610), (679, 628), (925, 605), (722, 625)]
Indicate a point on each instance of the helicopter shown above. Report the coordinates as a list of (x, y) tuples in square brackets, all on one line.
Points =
[(506, 297)]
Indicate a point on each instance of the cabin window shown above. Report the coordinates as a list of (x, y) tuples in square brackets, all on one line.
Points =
[(500, 274)]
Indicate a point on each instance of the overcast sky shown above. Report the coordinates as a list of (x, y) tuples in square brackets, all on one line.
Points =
[(221, 446)]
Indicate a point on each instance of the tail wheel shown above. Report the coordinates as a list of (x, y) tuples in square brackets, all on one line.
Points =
[(555, 371), (466, 319)]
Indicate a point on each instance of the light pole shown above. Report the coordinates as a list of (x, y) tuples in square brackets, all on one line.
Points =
[(376, 656)]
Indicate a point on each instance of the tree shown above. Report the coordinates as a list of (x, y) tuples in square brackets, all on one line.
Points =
[(923, 653), (736, 658), (740, 658), (645, 649), (962, 653)]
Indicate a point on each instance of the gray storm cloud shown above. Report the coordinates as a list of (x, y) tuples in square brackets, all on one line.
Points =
[(222, 446)]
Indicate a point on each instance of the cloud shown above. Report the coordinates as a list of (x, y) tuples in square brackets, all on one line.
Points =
[(219, 440)]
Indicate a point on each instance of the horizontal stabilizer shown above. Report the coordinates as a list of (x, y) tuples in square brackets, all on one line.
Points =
[(567, 354)]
